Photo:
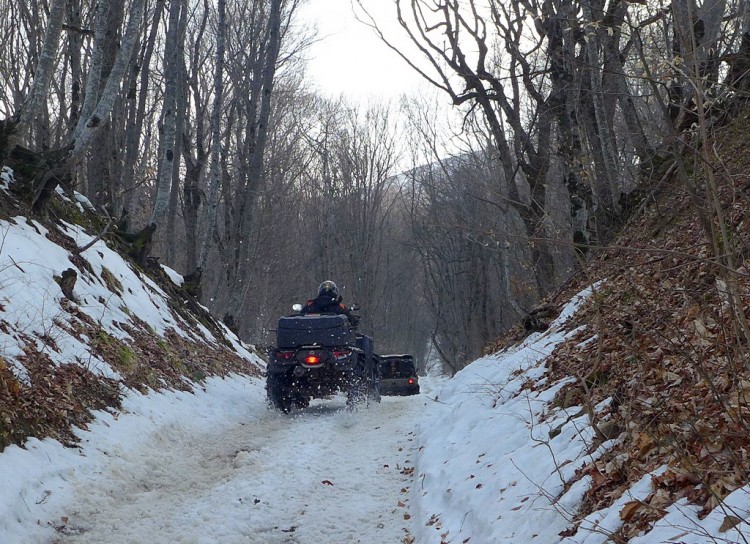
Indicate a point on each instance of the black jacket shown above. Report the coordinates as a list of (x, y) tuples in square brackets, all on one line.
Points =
[(328, 304)]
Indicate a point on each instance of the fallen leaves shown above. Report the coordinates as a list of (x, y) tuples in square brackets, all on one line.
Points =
[(434, 521), (729, 523), (669, 357), (629, 510)]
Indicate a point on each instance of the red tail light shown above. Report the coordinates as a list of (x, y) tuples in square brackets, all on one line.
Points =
[(341, 353), (312, 360), (284, 355), (411, 381)]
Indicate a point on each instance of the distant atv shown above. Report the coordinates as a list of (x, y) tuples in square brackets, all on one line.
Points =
[(318, 355)]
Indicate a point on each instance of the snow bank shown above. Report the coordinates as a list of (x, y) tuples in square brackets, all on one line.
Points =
[(494, 474), (108, 291), (490, 471), (37, 480)]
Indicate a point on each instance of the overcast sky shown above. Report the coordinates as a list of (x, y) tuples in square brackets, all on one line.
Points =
[(350, 59)]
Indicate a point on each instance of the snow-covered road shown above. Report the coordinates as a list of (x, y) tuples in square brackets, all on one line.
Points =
[(324, 475), (320, 475)]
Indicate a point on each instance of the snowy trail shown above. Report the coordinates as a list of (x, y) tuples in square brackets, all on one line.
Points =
[(320, 475)]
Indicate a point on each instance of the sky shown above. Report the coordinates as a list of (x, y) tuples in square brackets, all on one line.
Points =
[(350, 59), (471, 459)]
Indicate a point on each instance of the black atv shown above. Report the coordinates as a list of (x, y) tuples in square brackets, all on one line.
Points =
[(318, 355)]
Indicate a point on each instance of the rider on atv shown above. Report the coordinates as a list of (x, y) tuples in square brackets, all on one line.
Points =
[(328, 301), (320, 353)]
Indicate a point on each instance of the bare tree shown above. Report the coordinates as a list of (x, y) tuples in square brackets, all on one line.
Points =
[(56, 165), (264, 67), (444, 34), (169, 147), (36, 97), (255, 41), (136, 115), (195, 141)]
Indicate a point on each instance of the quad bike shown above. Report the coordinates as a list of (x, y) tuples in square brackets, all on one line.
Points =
[(318, 355)]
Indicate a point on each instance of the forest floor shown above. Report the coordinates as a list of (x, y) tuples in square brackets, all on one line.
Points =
[(670, 355)]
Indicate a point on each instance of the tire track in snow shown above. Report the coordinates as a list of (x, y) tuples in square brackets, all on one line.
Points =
[(320, 475)]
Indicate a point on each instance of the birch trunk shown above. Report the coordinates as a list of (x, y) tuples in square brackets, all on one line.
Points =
[(111, 89), (44, 68), (214, 168), (169, 157)]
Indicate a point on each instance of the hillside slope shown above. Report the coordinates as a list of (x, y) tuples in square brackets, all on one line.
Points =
[(661, 363), (80, 323)]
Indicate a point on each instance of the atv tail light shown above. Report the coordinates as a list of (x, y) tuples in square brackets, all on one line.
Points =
[(312, 360), (341, 353), (411, 381), (285, 355)]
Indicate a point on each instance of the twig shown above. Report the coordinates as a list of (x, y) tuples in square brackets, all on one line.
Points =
[(16, 264), (98, 237)]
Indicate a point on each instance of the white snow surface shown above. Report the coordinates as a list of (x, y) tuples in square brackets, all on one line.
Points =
[(469, 460), (175, 277), (216, 466), (108, 290)]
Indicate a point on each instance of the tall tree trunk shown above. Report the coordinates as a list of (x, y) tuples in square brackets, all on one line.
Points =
[(111, 91), (74, 58), (34, 103), (211, 206), (171, 231), (169, 158), (605, 139), (45, 67), (256, 171), (191, 196), (94, 75), (195, 161), (135, 126), (614, 73), (59, 164), (100, 173)]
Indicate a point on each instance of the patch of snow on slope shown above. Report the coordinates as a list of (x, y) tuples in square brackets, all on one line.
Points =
[(173, 275), (108, 290), (494, 474)]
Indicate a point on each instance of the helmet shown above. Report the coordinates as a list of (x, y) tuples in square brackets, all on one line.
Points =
[(328, 288)]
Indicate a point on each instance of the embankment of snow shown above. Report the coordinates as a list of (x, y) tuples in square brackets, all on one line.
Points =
[(493, 474), (37, 479), (497, 461)]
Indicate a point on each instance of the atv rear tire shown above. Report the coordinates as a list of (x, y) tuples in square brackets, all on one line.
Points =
[(375, 390), (358, 387), (278, 394)]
